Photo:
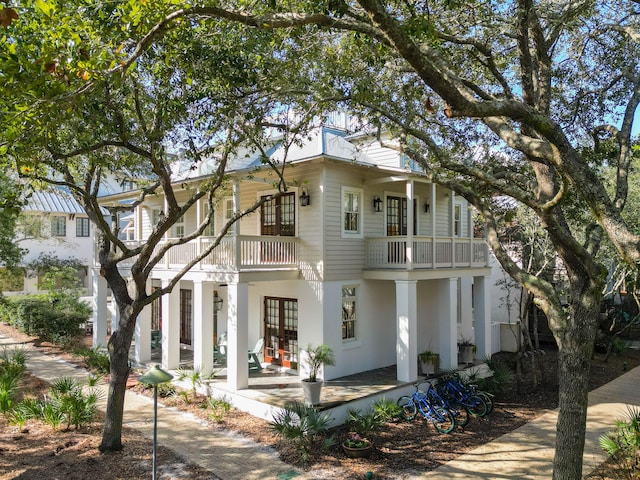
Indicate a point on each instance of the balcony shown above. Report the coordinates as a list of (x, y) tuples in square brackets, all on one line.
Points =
[(427, 253), (236, 254)]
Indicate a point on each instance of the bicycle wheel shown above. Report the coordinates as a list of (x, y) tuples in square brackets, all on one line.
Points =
[(409, 409), (487, 399), (460, 415), (476, 405), (442, 419)]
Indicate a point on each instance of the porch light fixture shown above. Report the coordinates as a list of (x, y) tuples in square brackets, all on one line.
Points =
[(427, 207), (377, 204), (155, 376), (217, 301), (305, 199)]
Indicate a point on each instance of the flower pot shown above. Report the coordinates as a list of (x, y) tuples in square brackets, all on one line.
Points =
[(466, 353), (312, 392), (357, 452), (428, 367)]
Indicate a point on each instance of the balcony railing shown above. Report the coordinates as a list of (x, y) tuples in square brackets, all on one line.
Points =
[(426, 252), (239, 253)]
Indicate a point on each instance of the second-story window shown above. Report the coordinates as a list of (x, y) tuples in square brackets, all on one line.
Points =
[(59, 226), (351, 211), (177, 230), (228, 209), (457, 220), (348, 313), (208, 230), (155, 216), (82, 227)]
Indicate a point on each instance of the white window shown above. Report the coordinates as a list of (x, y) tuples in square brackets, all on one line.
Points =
[(228, 209), (58, 226), (348, 313), (155, 216), (177, 230), (351, 212), (457, 220)]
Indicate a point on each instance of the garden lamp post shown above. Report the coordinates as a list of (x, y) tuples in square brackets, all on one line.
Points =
[(155, 376)]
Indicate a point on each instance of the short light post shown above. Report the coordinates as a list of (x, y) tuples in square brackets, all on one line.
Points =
[(155, 376)]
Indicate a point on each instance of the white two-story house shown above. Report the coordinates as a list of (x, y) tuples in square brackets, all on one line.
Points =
[(363, 253)]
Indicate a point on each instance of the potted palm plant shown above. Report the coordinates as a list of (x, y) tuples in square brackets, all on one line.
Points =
[(429, 361), (316, 357)]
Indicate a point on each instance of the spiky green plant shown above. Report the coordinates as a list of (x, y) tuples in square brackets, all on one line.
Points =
[(623, 445), (194, 376), (305, 426)]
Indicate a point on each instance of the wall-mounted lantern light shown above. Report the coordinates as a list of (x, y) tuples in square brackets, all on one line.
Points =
[(217, 301), (427, 207), (377, 204), (305, 199)]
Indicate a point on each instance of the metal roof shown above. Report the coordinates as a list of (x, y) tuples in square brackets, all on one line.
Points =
[(54, 201)]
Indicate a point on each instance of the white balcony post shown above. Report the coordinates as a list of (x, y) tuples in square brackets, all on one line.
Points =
[(406, 330), (434, 207), (236, 226), (448, 323), (203, 326), (99, 309), (237, 335), (482, 315), (171, 328), (410, 215)]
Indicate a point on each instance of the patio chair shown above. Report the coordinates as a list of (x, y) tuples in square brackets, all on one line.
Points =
[(220, 351), (156, 339), (254, 361)]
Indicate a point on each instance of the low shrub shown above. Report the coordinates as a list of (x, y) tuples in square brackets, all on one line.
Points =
[(219, 408), (12, 368), (623, 445), (305, 427), (95, 359)]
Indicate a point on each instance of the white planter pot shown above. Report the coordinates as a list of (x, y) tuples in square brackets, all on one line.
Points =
[(312, 391), (466, 353), (428, 367)]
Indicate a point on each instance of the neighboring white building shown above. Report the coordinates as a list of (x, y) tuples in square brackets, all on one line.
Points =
[(56, 224), (363, 254)]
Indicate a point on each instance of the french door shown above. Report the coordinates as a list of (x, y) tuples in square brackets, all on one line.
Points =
[(281, 331), (278, 216), (397, 226), (186, 316)]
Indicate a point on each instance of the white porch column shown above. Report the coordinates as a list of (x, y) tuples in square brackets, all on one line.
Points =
[(203, 326), (482, 316), (99, 310), (407, 330), (171, 328), (448, 323), (410, 220), (143, 335), (237, 335)]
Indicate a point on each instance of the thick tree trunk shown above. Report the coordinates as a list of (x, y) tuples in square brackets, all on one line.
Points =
[(574, 363), (119, 345)]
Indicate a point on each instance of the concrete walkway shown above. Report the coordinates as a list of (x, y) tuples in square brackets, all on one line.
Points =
[(525, 453), (228, 456)]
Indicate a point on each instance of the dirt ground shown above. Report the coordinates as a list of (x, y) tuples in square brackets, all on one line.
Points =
[(401, 449)]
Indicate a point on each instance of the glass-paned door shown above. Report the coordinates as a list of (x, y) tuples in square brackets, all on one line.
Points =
[(186, 316), (397, 226), (278, 216), (156, 312), (281, 331)]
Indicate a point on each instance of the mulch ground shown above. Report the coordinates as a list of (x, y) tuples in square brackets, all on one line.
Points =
[(401, 449)]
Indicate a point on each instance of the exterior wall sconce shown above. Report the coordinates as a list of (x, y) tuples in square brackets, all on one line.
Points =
[(427, 207), (377, 204), (217, 301), (305, 199)]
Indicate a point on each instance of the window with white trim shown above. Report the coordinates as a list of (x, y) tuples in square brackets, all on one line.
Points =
[(457, 220), (348, 313), (228, 209), (59, 226), (155, 216), (351, 211), (177, 230)]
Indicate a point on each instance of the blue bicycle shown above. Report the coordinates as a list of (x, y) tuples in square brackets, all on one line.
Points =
[(425, 402), (454, 391)]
